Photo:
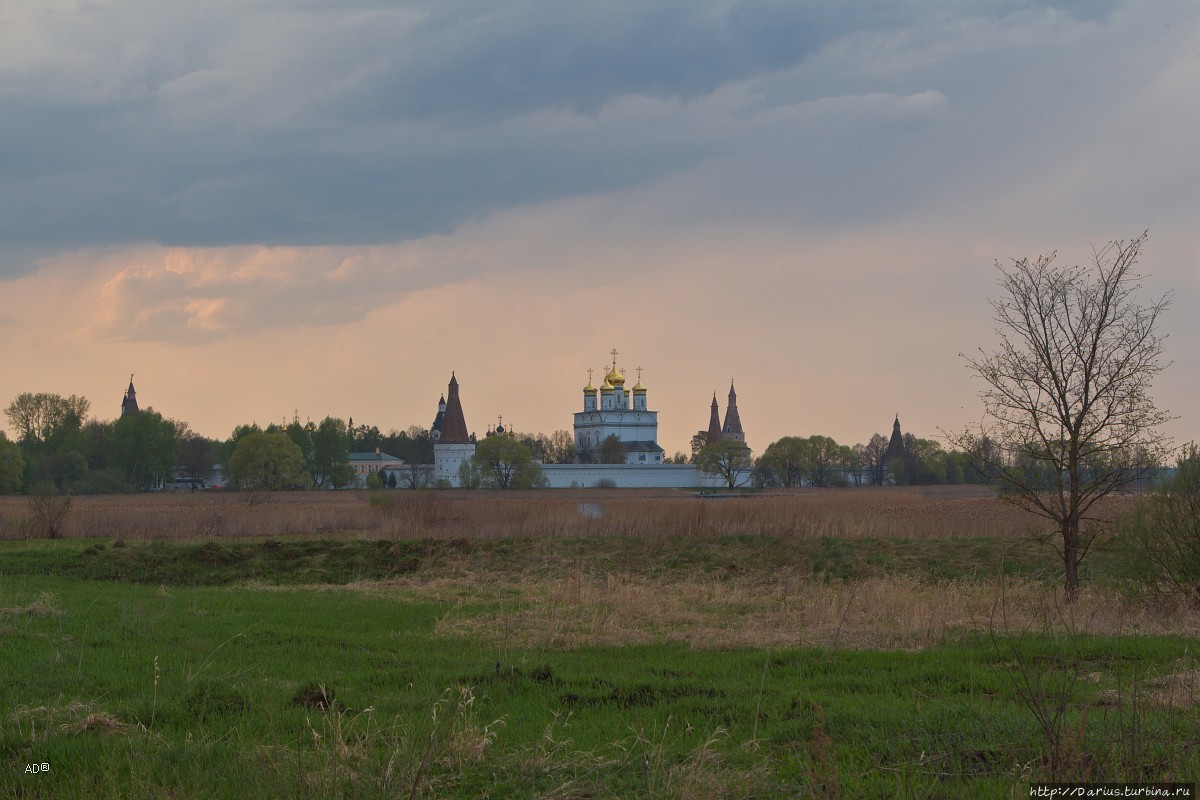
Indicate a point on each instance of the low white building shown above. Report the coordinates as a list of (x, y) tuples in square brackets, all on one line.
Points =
[(367, 464)]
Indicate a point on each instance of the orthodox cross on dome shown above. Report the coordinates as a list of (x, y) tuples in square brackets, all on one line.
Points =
[(614, 355), (639, 372), (501, 418), (589, 376)]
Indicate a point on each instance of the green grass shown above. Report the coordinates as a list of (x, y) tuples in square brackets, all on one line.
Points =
[(324, 692), (304, 561)]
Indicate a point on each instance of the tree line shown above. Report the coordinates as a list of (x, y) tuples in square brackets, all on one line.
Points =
[(58, 447)]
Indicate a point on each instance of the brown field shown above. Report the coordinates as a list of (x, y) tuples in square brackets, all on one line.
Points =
[(932, 512)]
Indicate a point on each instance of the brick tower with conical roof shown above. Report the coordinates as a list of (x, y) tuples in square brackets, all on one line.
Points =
[(453, 446)]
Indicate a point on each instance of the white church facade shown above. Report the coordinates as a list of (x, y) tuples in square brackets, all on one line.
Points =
[(611, 410)]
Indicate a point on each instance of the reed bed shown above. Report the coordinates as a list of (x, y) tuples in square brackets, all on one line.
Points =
[(848, 513)]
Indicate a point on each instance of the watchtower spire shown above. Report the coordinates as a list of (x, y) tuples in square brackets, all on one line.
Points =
[(732, 429), (129, 403), (714, 423)]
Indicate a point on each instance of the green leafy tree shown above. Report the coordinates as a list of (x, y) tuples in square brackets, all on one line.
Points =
[(874, 459), (469, 475), (230, 444), (853, 462), (196, 458), (36, 416), (269, 461), (300, 435), (612, 451), (365, 438), (65, 471), (924, 463), (413, 445), (144, 446), (504, 463), (342, 475), (821, 458), (97, 434), (12, 466), (560, 448), (330, 459), (785, 459), (727, 459)]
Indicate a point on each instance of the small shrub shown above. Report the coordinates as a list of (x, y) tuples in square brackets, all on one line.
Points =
[(1161, 537), (605, 483), (49, 510), (382, 501)]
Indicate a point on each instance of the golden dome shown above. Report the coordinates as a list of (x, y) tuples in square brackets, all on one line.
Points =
[(615, 377), (589, 389), (637, 387), (606, 386)]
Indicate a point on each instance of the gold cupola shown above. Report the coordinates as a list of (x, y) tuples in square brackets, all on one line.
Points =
[(590, 389), (638, 388), (614, 378)]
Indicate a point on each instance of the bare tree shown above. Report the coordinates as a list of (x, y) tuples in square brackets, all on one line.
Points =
[(1069, 418), (415, 476)]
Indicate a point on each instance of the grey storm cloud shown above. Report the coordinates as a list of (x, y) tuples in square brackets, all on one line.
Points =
[(335, 123)]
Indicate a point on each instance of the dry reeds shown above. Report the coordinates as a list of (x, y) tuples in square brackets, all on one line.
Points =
[(857, 513)]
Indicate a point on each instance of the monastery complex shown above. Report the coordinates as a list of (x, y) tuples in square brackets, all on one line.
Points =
[(609, 410)]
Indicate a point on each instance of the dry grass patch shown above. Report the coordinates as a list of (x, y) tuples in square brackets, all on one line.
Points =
[(885, 612), (46, 604), (1177, 689), (34, 723)]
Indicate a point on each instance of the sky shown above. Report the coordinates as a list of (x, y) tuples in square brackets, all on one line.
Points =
[(322, 207)]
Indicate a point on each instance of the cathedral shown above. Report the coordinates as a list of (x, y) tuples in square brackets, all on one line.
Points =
[(610, 410)]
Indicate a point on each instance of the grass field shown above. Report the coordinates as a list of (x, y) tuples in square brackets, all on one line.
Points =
[(584, 645)]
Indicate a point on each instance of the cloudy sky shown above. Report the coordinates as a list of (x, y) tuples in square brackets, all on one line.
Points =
[(325, 206)]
